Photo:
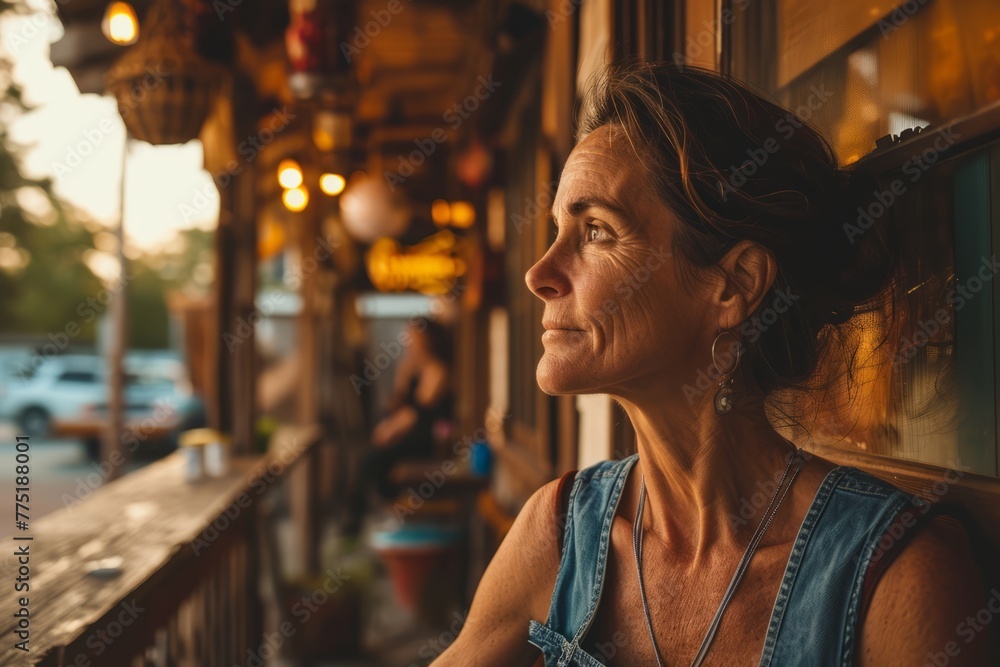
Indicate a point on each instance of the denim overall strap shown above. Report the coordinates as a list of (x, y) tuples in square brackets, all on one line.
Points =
[(595, 495), (815, 614)]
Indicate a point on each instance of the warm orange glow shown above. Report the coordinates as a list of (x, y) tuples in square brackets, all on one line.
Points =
[(289, 174), (431, 267), (323, 139), (462, 214), (331, 130), (120, 24), (391, 268), (270, 239), (440, 212), (295, 199), (440, 242), (332, 184)]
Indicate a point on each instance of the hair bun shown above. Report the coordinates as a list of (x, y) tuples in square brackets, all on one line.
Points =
[(863, 242)]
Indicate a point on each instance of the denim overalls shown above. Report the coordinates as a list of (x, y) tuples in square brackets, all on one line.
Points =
[(814, 617)]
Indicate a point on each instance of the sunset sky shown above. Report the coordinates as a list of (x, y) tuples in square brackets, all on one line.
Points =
[(77, 141)]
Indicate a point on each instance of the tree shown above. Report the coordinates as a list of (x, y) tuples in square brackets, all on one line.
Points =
[(44, 281), (47, 288)]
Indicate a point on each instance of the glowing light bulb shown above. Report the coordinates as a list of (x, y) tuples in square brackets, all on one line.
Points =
[(120, 24), (289, 174), (463, 214), (440, 212), (295, 199), (332, 184)]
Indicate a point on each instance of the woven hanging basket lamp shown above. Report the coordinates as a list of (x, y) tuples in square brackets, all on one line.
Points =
[(164, 89)]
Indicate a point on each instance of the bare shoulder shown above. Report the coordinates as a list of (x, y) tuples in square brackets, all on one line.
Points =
[(433, 383), (516, 588), (924, 608)]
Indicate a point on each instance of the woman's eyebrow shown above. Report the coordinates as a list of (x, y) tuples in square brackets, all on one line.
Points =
[(579, 206)]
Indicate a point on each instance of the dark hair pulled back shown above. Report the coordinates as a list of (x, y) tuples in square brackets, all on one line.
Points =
[(732, 165)]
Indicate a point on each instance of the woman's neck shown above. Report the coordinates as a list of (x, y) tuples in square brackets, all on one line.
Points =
[(708, 477)]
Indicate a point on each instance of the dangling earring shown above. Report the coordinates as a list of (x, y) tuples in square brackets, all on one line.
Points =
[(724, 395)]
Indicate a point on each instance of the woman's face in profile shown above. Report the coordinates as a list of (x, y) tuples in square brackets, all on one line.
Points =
[(616, 317)]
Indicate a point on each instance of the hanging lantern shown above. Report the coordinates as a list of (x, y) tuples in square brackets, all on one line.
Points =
[(371, 211), (163, 88)]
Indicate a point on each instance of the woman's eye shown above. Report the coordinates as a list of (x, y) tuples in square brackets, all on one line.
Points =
[(595, 233)]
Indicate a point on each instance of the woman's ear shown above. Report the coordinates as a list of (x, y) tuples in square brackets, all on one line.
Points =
[(748, 271)]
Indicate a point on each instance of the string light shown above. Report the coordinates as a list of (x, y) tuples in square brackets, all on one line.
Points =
[(289, 174), (332, 184), (463, 214), (120, 24), (295, 199), (440, 212)]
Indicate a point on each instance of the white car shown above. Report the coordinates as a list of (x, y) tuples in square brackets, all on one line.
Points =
[(68, 395), (54, 387)]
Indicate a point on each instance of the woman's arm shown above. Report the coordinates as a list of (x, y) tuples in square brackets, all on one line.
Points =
[(401, 382), (393, 428), (516, 588), (431, 388), (924, 609)]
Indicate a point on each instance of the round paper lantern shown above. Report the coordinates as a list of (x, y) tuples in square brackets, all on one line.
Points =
[(370, 210)]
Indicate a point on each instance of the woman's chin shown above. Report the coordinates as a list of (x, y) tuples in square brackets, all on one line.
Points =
[(559, 381)]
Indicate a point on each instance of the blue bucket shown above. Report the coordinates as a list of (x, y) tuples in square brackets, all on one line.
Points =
[(417, 536)]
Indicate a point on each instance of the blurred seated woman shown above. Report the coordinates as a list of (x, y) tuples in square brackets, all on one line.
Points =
[(421, 397), (677, 258)]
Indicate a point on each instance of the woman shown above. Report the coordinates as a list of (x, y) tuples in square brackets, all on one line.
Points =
[(421, 396), (676, 235)]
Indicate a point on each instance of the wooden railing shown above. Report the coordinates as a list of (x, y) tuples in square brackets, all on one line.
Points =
[(185, 592)]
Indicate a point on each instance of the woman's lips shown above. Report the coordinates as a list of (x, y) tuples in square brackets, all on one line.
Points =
[(553, 335)]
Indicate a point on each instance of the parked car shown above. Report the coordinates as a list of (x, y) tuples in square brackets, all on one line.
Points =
[(15, 368), (58, 387), (68, 396)]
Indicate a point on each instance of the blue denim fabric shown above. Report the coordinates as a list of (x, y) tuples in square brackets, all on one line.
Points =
[(815, 614)]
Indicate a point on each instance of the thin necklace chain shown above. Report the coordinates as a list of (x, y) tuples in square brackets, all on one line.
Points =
[(765, 522)]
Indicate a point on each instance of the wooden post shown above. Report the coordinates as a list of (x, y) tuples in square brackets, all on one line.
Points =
[(112, 450), (232, 407), (220, 404), (305, 477), (244, 369), (308, 269)]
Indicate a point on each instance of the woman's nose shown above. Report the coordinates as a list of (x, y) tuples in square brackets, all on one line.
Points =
[(545, 280)]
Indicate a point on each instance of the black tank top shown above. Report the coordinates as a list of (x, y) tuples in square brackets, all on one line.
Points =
[(442, 409)]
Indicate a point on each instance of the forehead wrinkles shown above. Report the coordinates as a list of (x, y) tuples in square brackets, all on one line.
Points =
[(598, 174)]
